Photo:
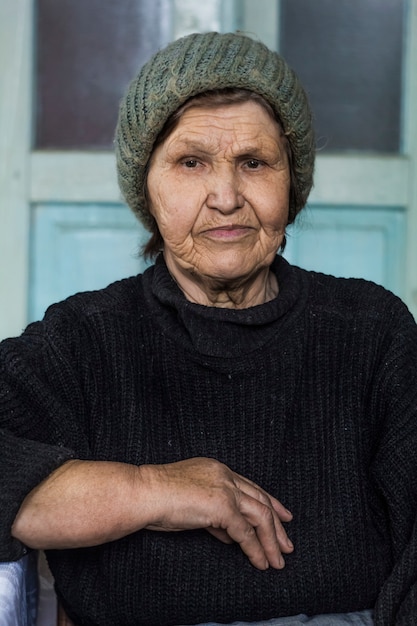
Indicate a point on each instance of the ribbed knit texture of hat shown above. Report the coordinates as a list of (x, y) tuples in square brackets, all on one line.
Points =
[(195, 64)]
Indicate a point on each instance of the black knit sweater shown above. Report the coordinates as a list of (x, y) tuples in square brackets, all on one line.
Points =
[(312, 395)]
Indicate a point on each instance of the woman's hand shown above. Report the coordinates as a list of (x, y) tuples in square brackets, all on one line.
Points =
[(204, 493)]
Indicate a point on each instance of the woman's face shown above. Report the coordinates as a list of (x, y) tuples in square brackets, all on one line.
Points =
[(218, 189)]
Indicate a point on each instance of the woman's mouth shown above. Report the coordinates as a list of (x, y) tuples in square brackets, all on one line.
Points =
[(229, 231)]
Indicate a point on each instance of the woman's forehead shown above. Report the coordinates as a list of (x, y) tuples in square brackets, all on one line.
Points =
[(238, 123)]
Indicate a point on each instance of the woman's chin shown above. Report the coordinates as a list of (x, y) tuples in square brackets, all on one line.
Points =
[(228, 274), (235, 268)]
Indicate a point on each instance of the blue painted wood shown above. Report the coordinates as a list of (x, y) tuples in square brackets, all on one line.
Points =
[(358, 242), (78, 248)]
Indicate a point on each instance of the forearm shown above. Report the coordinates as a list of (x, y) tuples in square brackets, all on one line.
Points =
[(86, 503), (82, 503)]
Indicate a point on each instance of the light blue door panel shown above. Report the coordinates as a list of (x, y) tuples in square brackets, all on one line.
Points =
[(351, 242), (80, 247)]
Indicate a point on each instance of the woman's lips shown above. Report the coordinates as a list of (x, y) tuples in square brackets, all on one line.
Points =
[(230, 231)]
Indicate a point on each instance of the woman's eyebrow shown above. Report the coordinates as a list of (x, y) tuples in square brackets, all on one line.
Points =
[(192, 145)]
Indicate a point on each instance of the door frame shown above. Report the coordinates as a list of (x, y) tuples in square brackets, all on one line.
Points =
[(16, 28)]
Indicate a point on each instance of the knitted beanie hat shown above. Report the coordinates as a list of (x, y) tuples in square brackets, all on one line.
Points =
[(198, 63)]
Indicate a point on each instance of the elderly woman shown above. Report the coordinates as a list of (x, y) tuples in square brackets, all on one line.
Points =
[(164, 438)]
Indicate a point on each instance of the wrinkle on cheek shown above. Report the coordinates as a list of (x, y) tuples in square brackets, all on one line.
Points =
[(173, 214), (184, 254), (271, 238)]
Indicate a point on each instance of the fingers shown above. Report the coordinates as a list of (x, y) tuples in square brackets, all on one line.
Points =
[(263, 538), (253, 520), (273, 508), (245, 535), (259, 532)]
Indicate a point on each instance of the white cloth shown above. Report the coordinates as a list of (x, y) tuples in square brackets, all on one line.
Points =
[(19, 592), (360, 618)]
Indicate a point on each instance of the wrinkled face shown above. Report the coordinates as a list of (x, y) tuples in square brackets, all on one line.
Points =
[(218, 188)]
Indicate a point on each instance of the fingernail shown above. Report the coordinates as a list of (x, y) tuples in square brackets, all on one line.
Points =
[(281, 562), (290, 544)]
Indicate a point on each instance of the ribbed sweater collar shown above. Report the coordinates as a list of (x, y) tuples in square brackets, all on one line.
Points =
[(219, 332)]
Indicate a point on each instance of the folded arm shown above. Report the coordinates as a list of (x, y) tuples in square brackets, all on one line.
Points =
[(85, 503)]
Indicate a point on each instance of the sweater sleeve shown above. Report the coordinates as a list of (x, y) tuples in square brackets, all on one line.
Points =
[(394, 469), (42, 415)]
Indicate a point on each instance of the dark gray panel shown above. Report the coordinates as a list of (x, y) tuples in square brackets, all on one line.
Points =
[(348, 54), (87, 51)]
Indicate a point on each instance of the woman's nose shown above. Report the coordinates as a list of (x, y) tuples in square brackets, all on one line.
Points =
[(224, 193)]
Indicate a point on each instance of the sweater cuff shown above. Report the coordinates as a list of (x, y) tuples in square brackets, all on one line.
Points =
[(24, 464)]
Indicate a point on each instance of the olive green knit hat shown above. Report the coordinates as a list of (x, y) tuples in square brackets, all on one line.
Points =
[(195, 64)]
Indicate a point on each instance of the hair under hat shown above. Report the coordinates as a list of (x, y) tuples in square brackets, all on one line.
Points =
[(195, 64)]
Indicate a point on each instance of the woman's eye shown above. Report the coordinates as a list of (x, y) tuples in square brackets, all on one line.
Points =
[(253, 164), (191, 163)]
